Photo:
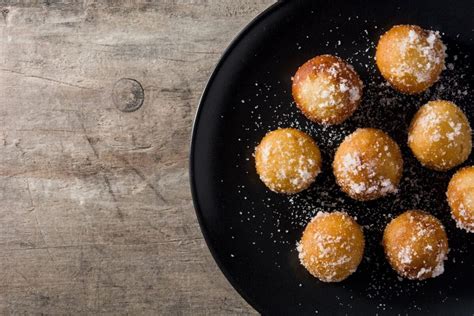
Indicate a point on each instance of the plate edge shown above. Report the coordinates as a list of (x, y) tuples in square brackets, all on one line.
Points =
[(233, 43)]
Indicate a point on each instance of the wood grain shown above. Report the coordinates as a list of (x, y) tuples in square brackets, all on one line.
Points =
[(96, 214)]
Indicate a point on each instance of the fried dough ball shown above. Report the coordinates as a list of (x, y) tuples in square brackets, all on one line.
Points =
[(440, 135), (327, 89), (410, 58), (332, 246), (287, 160), (461, 198), (368, 164), (416, 245)]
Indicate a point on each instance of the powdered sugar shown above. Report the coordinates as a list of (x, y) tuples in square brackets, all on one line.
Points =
[(439, 268), (317, 248), (428, 54), (364, 171), (405, 255), (275, 222)]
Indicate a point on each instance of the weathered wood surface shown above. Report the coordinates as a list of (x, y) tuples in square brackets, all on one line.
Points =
[(96, 215)]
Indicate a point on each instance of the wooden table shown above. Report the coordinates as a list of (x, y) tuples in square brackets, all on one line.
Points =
[(96, 214)]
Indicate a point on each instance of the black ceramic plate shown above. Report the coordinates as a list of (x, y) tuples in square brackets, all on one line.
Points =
[(251, 231)]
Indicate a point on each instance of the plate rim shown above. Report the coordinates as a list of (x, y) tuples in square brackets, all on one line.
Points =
[(192, 180)]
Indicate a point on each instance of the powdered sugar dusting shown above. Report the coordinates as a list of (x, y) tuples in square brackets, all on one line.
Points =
[(273, 223), (365, 172), (430, 57), (323, 246)]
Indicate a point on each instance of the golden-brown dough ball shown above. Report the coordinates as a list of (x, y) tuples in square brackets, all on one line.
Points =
[(416, 245), (287, 160), (368, 164), (327, 89), (461, 198), (440, 135), (332, 246), (410, 58)]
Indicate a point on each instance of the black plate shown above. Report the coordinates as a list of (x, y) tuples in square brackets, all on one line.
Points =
[(252, 232)]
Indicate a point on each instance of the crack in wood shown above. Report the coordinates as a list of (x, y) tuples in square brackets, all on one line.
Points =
[(114, 198), (144, 179), (48, 79)]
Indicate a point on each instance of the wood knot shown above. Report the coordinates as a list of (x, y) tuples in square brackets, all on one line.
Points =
[(128, 95)]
